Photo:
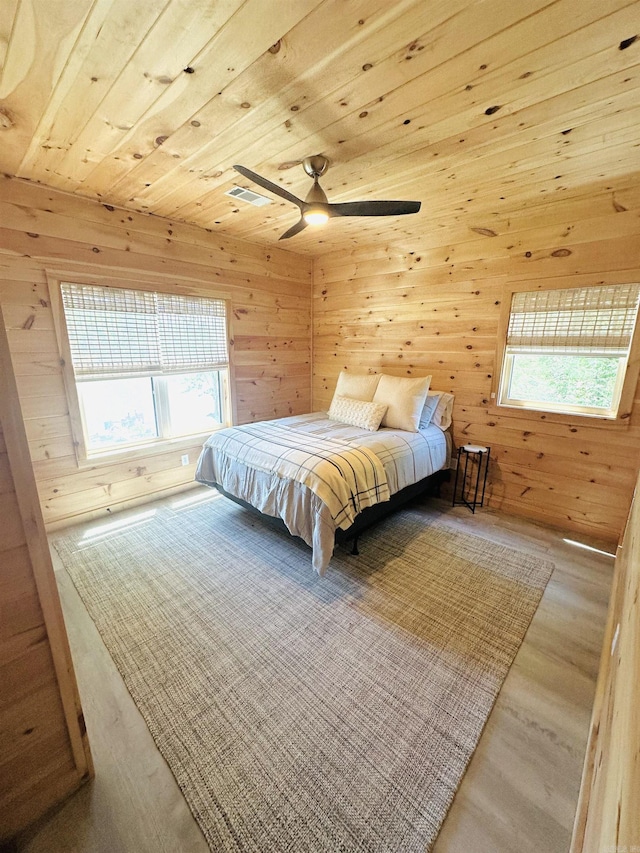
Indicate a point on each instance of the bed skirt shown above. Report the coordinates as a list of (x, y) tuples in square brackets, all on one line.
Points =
[(368, 517)]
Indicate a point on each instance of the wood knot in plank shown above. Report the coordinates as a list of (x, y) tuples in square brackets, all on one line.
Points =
[(625, 43)]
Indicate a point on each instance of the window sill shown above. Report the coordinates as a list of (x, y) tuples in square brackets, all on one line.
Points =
[(597, 421), (142, 451)]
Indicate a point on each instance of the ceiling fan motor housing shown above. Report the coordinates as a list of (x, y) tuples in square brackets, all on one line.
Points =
[(315, 166)]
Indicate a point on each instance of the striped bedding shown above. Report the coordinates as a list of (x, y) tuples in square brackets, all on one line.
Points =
[(316, 474)]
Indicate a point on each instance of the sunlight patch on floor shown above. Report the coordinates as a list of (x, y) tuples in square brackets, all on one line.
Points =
[(103, 529), (588, 547), (194, 500)]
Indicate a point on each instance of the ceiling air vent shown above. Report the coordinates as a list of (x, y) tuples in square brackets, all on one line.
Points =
[(248, 195)]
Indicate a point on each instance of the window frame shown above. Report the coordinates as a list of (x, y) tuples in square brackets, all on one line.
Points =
[(631, 371), (87, 458)]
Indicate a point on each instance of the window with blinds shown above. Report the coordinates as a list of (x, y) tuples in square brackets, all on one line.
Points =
[(567, 350), (148, 366), (116, 332)]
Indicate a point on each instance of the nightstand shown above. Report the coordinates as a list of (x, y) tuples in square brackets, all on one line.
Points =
[(471, 475)]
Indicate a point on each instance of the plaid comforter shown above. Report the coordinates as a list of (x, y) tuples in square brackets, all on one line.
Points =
[(345, 478)]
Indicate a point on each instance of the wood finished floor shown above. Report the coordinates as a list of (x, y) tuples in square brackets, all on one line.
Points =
[(519, 793)]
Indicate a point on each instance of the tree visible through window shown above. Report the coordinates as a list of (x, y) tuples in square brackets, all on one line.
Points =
[(560, 379)]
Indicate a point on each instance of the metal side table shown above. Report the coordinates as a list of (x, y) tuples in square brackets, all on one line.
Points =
[(473, 466)]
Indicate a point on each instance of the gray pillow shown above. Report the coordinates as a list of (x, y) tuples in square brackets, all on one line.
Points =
[(430, 405)]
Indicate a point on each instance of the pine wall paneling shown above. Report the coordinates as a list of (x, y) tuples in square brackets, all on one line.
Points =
[(434, 306), (608, 817), (44, 753), (46, 233)]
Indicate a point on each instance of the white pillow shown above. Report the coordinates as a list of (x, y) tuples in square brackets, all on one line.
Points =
[(357, 386), (441, 414), (404, 398), (356, 412)]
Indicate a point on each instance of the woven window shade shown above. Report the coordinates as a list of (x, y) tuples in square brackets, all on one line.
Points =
[(581, 320), (115, 332), (192, 333)]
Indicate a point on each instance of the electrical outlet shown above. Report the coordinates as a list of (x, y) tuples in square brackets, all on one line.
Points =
[(185, 459)]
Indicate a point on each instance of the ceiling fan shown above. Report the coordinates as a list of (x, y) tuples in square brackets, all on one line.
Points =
[(316, 209)]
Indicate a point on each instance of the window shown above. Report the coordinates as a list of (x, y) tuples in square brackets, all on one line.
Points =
[(147, 366), (568, 350)]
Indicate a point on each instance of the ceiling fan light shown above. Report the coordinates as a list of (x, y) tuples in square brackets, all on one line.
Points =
[(315, 216)]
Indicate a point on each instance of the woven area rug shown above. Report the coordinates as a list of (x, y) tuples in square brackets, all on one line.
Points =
[(299, 713)]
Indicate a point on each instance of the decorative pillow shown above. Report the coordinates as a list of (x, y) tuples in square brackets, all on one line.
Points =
[(356, 412), (404, 398), (357, 386), (441, 415)]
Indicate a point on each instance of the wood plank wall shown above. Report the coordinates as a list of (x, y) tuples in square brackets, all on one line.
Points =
[(434, 307), (44, 754), (270, 292), (608, 814)]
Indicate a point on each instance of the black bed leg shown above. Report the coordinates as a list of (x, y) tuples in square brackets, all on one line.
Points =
[(354, 547)]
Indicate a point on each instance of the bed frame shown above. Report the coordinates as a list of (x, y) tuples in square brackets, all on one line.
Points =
[(370, 515)]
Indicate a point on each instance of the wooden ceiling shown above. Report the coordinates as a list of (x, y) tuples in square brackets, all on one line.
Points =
[(485, 110)]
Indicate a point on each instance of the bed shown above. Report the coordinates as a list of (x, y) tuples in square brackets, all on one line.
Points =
[(326, 480)]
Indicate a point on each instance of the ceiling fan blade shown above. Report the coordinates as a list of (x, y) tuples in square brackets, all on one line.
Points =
[(375, 208), (295, 229), (268, 185)]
